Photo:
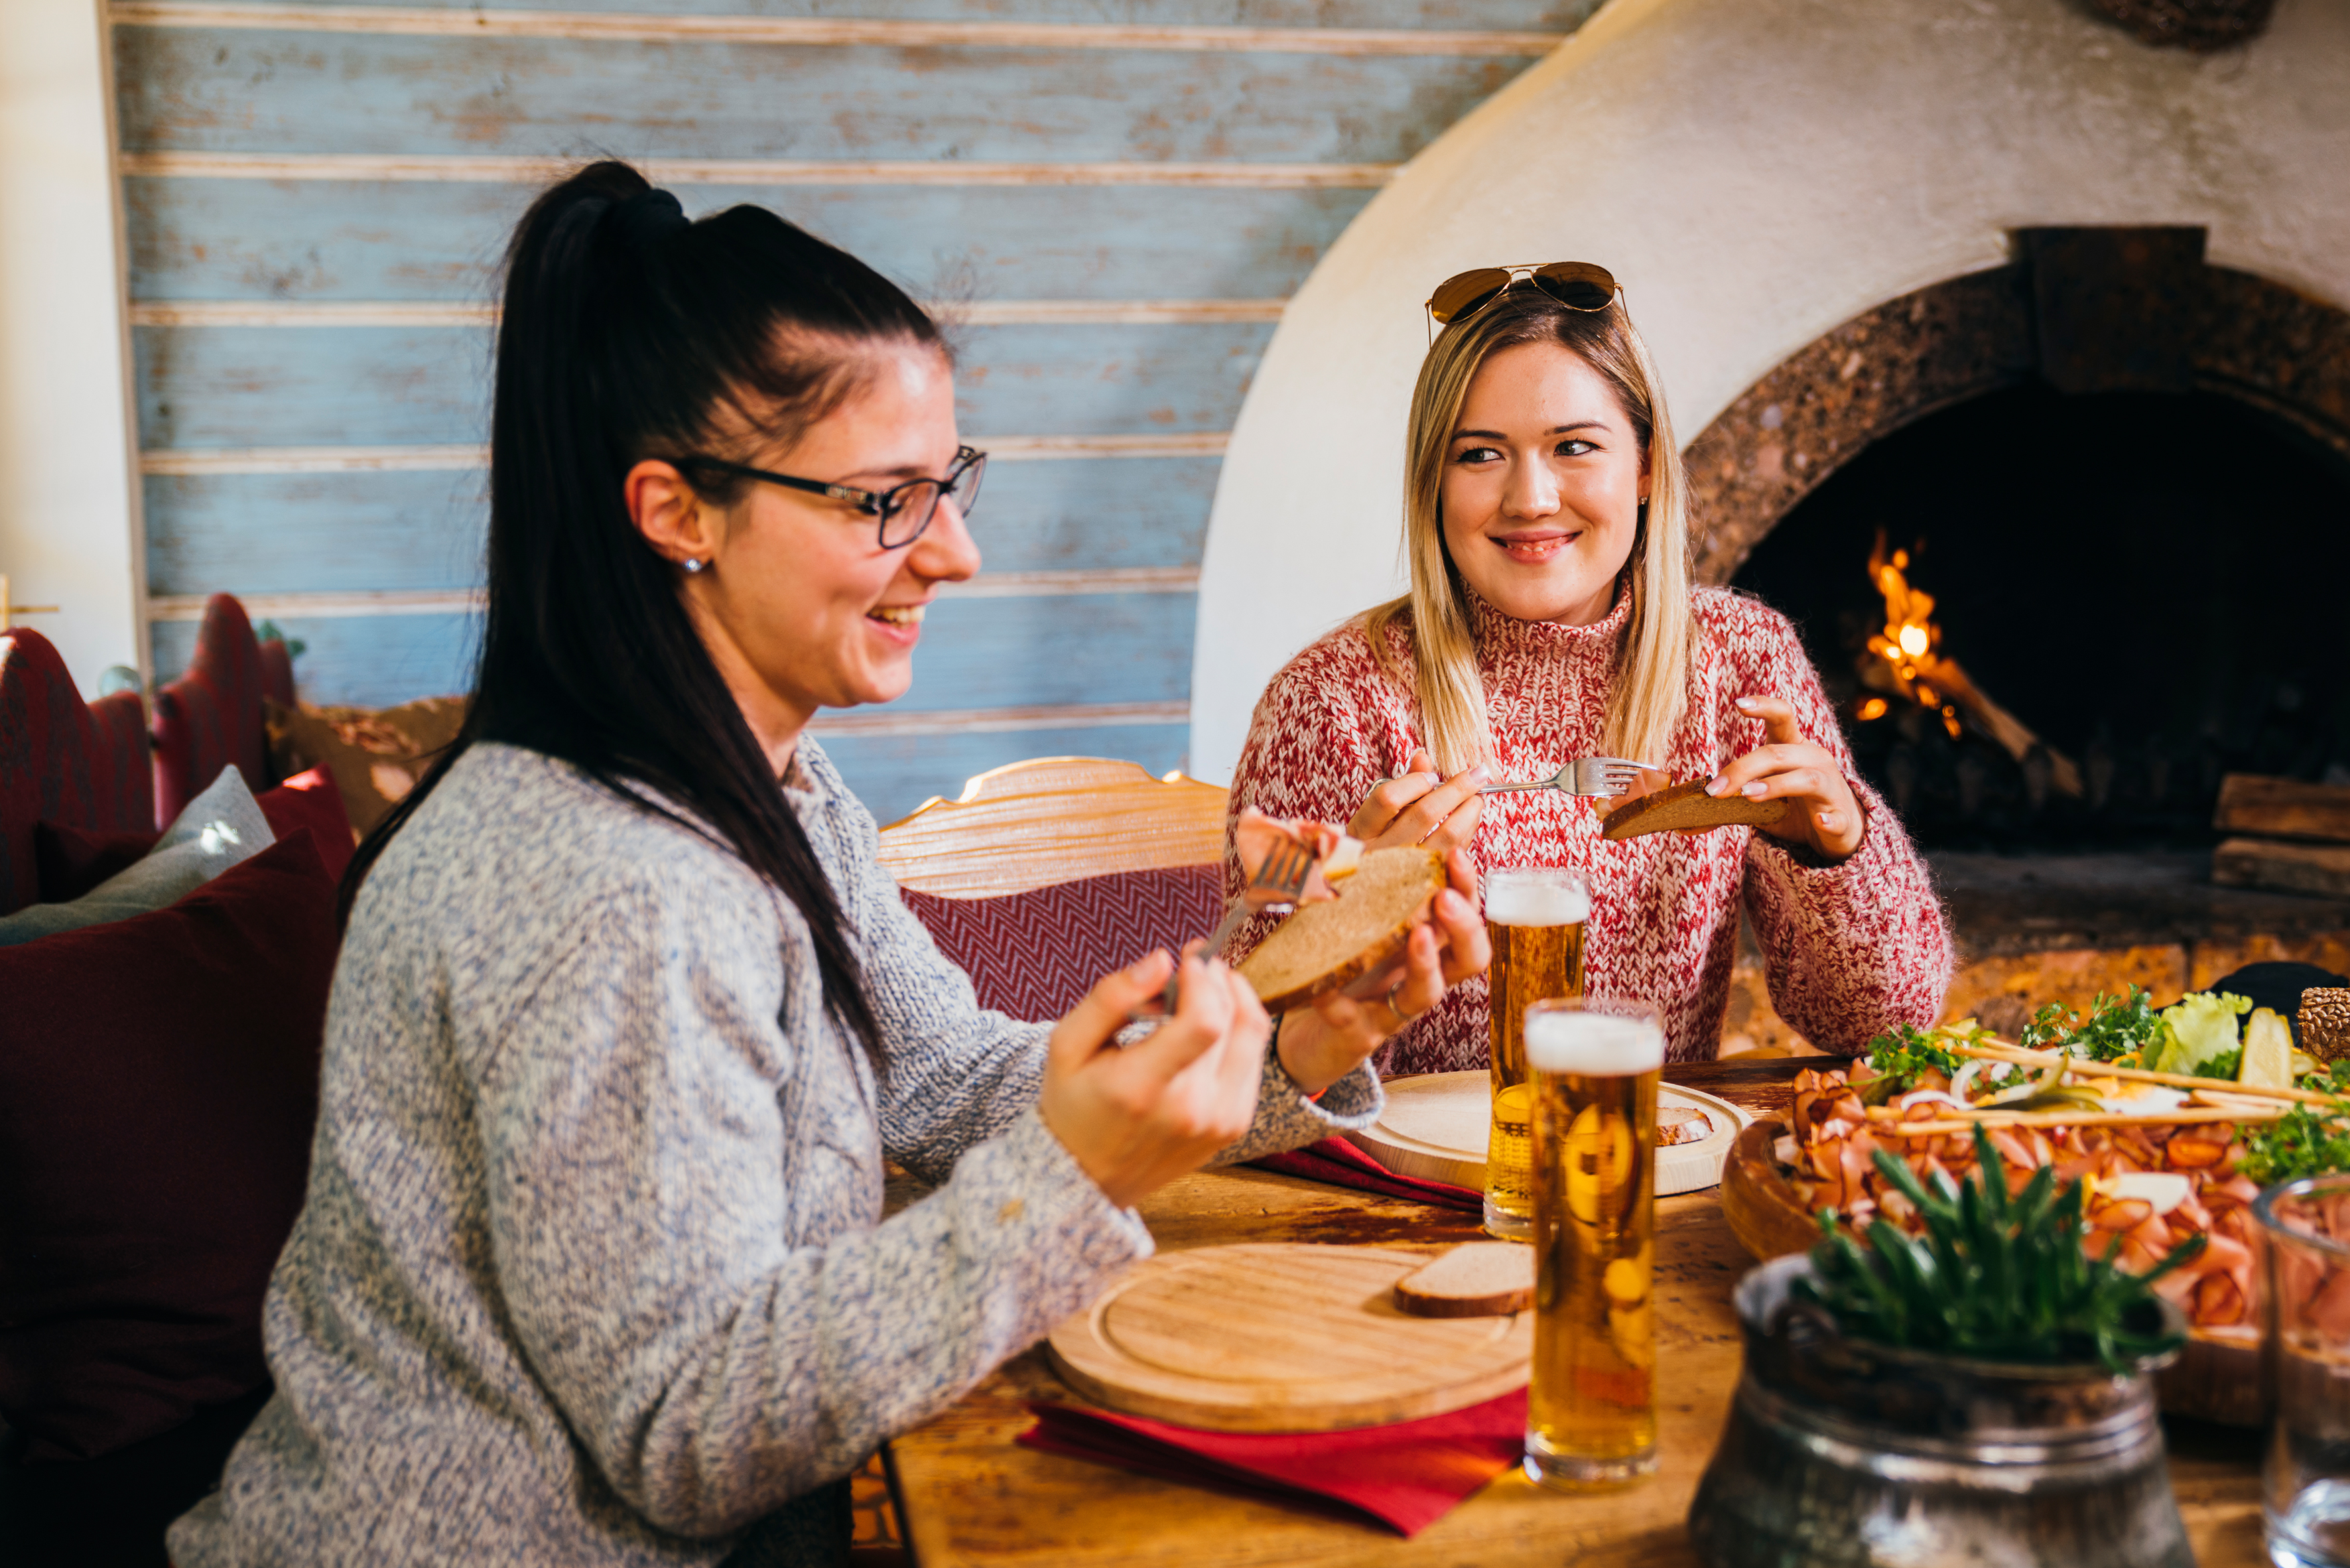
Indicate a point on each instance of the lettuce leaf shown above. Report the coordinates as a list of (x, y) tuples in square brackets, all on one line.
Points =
[(2201, 1026)]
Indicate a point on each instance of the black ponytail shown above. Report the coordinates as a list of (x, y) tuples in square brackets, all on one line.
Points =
[(628, 331)]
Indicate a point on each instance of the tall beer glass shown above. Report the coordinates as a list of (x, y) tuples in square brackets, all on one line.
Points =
[(1591, 1413), (1535, 921)]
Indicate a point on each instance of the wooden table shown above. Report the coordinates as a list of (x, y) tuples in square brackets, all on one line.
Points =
[(968, 1495)]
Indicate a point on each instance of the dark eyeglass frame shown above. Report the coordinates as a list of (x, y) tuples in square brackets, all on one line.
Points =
[(1460, 296), (882, 505)]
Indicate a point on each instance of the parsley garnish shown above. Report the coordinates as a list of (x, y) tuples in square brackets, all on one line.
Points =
[(2118, 1026), (2305, 1141), (1901, 1058)]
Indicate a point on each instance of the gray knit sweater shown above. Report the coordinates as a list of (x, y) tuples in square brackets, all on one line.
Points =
[(592, 1267)]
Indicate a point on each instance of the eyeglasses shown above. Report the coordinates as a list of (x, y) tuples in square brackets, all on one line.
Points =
[(1578, 286), (902, 511)]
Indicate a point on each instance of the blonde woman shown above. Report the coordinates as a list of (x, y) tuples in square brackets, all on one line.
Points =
[(1551, 616)]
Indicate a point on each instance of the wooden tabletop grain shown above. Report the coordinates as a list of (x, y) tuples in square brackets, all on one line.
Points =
[(969, 1496)]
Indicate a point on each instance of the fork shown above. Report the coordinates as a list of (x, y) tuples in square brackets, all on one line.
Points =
[(1602, 776), (1279, 878)]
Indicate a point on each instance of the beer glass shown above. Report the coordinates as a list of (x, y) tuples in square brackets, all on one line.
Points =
[(1591, 1413), (1535, 919)]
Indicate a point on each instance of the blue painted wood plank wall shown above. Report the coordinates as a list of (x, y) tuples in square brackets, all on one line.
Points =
[(1112, 200)]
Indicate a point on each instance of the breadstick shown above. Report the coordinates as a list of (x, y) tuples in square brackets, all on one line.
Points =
[(1995, 1119), (2001, 1051)]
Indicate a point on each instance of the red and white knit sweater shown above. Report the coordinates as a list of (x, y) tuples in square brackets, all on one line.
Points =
[(1850, 949)]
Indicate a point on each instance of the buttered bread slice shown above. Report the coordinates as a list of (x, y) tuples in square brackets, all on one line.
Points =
[(1323, 946)]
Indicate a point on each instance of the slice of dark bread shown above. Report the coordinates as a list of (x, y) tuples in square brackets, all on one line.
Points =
[(1476, 1278), (1324, 945), (1683, 806)]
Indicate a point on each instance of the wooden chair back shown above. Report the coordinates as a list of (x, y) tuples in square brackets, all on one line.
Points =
[(1054, 819)]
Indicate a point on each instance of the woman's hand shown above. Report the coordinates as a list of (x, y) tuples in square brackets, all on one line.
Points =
[(1789, 767), (1137, 1116), (1322, 1043), (1422, 807)]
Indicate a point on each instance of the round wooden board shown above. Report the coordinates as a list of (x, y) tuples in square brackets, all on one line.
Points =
[(1435, 1127), (1283, 1338)]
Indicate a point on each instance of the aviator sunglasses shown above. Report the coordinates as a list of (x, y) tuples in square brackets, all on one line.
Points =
[(1578, 286)]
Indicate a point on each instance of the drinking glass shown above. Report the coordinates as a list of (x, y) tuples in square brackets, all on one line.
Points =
[(2305, 1480), (1535, 917), (1591, 1412)]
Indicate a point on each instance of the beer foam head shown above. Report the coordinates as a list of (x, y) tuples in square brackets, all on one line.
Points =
[(1596, 1045), (1537, 899)]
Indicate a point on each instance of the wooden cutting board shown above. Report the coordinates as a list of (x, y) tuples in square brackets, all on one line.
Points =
[(1283, 1338), (1435, 1127)]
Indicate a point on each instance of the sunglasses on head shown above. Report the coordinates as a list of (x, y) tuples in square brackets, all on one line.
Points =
[(1578, 286)]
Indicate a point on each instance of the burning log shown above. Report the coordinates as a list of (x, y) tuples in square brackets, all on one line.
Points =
[(1906, 661)]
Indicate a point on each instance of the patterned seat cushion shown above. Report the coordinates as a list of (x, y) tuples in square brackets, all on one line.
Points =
[(61, 761), (1033, 954), (211, 716)]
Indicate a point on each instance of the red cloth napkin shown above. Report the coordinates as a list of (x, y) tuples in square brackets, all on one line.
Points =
[(1340, 1163), (1407, 1475)]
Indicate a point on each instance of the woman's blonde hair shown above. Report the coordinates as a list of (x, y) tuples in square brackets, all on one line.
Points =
[(1645, 698)]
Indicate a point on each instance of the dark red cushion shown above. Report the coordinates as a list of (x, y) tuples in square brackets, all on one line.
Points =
[(212, 714), (159, 1081), (73, 861), (61, 761), (310, 800), (1033, 954)]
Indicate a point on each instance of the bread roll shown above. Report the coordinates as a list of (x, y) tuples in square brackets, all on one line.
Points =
[(2325, 1023)]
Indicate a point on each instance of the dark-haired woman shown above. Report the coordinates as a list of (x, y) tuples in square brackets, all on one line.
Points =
[(592, 1267)]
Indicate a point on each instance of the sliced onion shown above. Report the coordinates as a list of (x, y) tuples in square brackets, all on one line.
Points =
[(1931, 1097), (1966, 1076), (2049, 1079)]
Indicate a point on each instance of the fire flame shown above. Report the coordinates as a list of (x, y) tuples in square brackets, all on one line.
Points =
[(1908, 645)]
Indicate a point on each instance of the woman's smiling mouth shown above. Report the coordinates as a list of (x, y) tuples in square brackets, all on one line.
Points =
[(1535, 548), (905, 618)]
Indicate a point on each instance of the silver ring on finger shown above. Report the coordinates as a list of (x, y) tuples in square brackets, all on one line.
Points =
[(1402, 1018)]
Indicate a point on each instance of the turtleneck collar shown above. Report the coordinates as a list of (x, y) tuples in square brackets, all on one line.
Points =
[(1504, 638)]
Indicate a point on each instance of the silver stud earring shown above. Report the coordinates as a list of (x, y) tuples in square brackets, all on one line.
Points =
[(692, 563)]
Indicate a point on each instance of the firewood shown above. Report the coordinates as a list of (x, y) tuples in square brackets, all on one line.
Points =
[(2284, 808), (2272, 863), (2013, 735)]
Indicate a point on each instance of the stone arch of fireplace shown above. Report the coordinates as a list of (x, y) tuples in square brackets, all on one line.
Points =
[(2087, 310), (1764, 174)]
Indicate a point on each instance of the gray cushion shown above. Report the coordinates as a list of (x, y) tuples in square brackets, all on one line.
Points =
[(220, 828)]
